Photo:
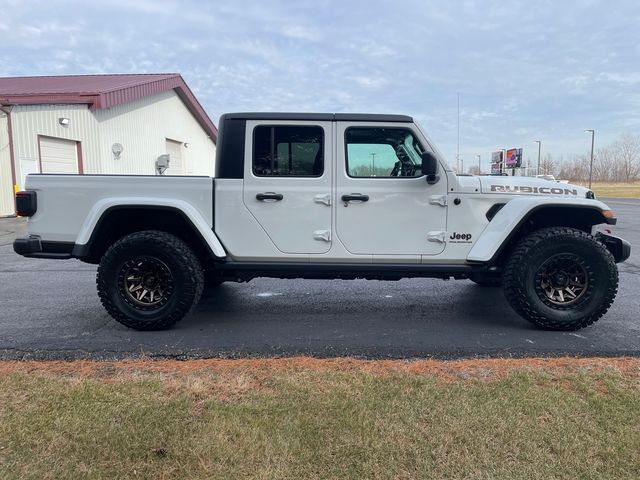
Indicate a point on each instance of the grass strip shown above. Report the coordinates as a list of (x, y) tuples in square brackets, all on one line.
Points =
[(616, 190), (306, 419)]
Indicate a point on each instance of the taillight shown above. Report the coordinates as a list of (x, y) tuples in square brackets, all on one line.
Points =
[(26, 203)]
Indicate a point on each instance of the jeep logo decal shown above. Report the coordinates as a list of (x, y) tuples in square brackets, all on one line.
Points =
[(460, 237), (525, 189)]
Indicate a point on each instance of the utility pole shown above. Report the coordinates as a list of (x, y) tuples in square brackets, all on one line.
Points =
[(479, 167), (539, 142), (373, 161), (593, 135)]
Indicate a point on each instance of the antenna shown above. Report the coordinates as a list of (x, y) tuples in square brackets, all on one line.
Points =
[(458, 151)]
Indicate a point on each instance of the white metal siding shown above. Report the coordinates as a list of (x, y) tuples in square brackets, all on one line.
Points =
[(29, 121), (58, 155), (7, 206), (142, 128)]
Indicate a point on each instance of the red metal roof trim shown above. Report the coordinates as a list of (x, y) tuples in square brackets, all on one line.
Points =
[(101, 91)]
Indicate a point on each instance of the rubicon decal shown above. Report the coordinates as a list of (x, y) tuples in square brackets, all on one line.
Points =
[(525, 189), (460, 237)]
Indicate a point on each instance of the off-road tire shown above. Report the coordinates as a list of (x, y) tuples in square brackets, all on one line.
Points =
[(486, 279), (523, 280), (185, 278)]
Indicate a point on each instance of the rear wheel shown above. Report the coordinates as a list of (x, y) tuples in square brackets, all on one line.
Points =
[(560, 278), (149, 280)]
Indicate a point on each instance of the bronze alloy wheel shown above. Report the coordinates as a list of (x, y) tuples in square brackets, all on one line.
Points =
[(145, 283), (562, 281), (560, 278), (149, 280)]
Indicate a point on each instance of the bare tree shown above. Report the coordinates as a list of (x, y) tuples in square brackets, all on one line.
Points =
[(628, 153), (619, 161), (616, 162), (571, 170), (547, 165)]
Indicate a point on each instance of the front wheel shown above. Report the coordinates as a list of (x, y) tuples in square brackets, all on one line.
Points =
[(560, 279), (149, 280)]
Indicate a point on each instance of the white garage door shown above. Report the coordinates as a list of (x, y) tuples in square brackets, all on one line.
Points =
[(176, 164), (58, 155)]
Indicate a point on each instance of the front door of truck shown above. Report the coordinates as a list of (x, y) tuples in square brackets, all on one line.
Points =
[(287, 183), (384, 205)]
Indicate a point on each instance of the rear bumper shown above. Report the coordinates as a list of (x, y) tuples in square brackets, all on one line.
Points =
[(619, 248), (33, 246)]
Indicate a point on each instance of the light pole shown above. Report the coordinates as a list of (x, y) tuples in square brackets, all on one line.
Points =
[(539, 142), (373, 161), (479, 167), (593, 136)]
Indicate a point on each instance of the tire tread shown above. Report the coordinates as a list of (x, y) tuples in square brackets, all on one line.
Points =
[(186, 303), (515, 290)]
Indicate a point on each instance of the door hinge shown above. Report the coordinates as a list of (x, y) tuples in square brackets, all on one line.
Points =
[(438, 200), (322, 235), (437, 237), (323, 198)]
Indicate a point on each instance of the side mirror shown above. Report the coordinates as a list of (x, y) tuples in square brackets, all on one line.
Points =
[(430, 167)]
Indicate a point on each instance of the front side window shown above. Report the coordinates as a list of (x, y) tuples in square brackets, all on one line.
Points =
[(383, 152), (289, 151)]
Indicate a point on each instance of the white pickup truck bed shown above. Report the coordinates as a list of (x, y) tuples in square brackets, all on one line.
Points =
[(69, 206)]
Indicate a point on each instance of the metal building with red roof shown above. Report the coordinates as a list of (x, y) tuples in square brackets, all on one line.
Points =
[(115, 124)]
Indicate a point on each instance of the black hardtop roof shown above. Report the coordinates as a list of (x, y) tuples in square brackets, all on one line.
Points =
[(330, 117)]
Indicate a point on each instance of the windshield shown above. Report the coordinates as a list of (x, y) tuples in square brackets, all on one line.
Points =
[(433, 148)]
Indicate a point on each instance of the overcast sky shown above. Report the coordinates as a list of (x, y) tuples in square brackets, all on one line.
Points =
[(524, 69)]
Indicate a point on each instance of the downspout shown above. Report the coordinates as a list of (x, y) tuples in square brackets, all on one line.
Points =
[(11, 152)]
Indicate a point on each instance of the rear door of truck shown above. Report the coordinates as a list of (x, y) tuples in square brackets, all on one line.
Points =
[(287, 182)]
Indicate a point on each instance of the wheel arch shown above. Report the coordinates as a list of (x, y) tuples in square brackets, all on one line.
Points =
[(111, 222), (520, 217)]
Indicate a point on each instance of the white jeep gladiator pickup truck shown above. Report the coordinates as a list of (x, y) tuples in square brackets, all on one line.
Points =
[(326, 196)]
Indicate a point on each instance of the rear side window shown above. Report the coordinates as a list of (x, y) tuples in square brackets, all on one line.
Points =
[(288, 151)]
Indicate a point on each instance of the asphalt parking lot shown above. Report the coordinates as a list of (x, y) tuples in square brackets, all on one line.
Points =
[(50, 309)]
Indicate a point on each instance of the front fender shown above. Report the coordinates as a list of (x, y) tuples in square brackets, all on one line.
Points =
[(515, 213), (193, 215)]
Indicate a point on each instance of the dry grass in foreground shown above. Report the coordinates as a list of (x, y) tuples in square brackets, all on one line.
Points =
[(305, 418), (616, 190)]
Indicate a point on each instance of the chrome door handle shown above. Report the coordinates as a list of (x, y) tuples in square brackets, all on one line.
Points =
[(269, 196)]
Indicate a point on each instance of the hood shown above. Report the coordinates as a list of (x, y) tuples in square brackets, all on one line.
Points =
[(530, 186), (467, 184)]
